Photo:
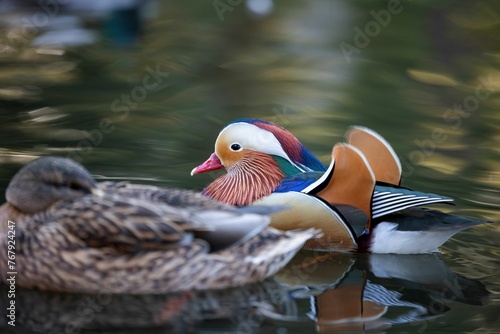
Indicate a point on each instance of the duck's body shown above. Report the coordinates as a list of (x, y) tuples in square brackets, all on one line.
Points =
[(357, 201), (124, 238)]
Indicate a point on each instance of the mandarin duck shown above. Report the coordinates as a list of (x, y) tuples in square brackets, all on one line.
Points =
[(65, 232), (357, 201)]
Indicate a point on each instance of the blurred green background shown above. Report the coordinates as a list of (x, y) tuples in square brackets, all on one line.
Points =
[(77, 80)]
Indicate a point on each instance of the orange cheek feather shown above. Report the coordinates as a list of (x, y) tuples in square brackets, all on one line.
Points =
[(226, 155)]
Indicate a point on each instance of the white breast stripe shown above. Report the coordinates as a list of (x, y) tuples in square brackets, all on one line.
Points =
[(320, 181)]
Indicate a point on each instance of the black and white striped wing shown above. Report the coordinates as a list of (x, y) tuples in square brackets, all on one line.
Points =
[(387, 200)]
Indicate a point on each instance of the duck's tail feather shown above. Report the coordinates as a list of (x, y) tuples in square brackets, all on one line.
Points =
[(281, 246), (224, 229)]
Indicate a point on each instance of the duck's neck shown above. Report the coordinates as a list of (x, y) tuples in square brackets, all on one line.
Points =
[(255, 176), (10, 216)]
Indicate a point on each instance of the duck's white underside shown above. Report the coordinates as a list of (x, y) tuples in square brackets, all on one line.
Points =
[(387, 239)]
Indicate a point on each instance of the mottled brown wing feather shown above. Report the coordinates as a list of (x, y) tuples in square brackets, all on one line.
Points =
[(175, 197), (125, 224)]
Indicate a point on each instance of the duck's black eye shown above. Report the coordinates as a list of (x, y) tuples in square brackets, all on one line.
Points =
[(235, 147), (77, 187)]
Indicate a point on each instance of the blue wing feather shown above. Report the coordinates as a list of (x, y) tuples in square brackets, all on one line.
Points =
[(298, 182), (310, 161)]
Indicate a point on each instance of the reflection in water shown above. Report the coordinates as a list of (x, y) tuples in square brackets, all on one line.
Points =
[(346, 292), (183, 312), (376, 291)]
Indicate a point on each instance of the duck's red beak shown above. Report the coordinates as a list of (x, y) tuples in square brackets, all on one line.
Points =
[(212, 163)]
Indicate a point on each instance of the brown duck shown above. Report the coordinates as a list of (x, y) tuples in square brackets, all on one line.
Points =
[(69, 233)]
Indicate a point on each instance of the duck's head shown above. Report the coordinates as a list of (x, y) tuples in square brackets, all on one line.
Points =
[(244, 140), (257, 155), (47, 180)]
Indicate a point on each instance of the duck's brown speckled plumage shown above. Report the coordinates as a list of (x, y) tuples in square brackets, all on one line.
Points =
[(134, 239)]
